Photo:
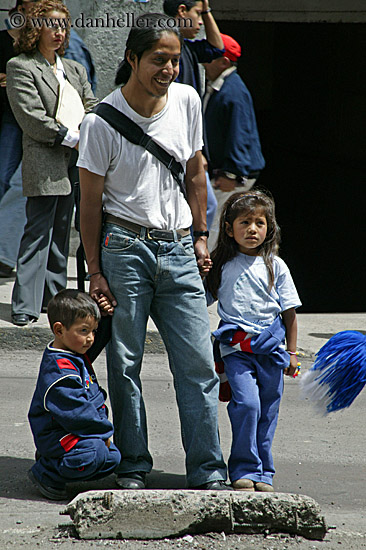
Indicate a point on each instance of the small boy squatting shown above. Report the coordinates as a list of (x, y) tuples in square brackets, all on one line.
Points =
[(68, 415)]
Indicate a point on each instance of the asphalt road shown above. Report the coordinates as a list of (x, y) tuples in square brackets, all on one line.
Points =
[(321, 457)]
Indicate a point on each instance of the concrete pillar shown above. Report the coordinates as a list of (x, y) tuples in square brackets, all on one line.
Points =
[(159, 514)]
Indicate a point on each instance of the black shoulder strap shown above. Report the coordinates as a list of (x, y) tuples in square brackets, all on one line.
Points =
[(132, 131)]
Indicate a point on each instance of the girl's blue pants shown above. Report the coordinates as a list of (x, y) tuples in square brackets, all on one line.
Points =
[(257, 384)]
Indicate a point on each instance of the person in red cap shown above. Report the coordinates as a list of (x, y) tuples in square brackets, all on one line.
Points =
[(235, 153), (190, 15)]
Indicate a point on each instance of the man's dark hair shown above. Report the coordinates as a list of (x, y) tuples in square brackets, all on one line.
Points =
[(147, 30), (171, 6), (71, 304)]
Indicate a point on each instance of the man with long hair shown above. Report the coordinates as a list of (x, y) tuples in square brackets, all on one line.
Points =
[(147, 264)]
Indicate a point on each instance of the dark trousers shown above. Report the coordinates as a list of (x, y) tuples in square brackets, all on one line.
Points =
[(42, 258)]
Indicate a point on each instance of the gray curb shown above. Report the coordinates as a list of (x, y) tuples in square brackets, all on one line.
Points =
[(37, 338), (159, 514)]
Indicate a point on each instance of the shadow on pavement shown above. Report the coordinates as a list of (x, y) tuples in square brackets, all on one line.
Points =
[(14, 482)]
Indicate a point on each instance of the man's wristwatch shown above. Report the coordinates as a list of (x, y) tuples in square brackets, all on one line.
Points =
[(201, 233), (205, 12), (240, 180)]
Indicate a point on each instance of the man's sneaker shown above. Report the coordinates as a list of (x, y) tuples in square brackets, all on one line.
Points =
[(131, 480), (217, 485), (263, 487), (243, 484), (52, 493)]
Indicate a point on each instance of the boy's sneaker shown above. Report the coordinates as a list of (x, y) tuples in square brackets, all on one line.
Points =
[(53, 493)]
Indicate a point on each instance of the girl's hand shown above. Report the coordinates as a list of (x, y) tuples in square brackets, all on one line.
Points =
[(204, 269), (292, 369)]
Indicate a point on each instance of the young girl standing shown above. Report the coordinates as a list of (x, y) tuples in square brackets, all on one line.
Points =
[(256, 303)]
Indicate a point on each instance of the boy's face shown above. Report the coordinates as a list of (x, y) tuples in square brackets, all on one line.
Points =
[(78, 338), (193, 25)]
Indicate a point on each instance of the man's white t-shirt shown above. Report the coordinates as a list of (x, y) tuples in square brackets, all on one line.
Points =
[(137, 186)]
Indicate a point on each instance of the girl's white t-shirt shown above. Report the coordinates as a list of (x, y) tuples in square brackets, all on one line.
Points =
[(243, 297), (138, 187)]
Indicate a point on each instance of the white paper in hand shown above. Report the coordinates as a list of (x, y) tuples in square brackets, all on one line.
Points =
[(70, 109)]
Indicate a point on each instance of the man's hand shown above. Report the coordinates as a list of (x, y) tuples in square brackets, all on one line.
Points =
[(108, 442), (2, 80), (204, 261), (224, 184), (100, 292), (205, 5)]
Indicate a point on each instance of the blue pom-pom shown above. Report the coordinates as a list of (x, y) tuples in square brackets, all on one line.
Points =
[(339, 372)]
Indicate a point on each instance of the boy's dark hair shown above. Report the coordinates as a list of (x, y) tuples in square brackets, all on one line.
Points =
[(71, 304), (147, 30), (171, 6), (227, 248)]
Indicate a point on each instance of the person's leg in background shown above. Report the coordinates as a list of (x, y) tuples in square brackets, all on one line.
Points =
[(211, 203), (12, 222), (34, 252), (56, 272), (10, 149)]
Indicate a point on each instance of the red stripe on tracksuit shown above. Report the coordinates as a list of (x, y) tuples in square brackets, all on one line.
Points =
[(69, 441)]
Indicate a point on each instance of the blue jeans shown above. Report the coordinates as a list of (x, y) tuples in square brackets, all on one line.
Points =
[(12, 219), (256, 384), (10, 149), (161, 279)]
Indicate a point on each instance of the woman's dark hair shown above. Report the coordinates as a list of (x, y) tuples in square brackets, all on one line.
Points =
[(227, 247), (69, 305), (171, 6), (146, 31), (30, 34)]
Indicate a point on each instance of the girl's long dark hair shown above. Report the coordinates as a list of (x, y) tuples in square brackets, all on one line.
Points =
[(227, 248), (147, 30)]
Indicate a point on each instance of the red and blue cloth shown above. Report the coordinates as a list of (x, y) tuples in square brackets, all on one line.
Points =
[(265, 343)]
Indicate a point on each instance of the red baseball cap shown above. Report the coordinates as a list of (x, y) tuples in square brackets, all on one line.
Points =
[(232, 48)]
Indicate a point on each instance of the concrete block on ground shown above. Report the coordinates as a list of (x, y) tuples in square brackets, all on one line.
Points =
[(157, 514)]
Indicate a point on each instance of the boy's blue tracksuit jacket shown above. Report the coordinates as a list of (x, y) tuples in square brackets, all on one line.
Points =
[(68, 404)]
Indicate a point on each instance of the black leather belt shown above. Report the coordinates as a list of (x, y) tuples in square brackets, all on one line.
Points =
[(169, 235)]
